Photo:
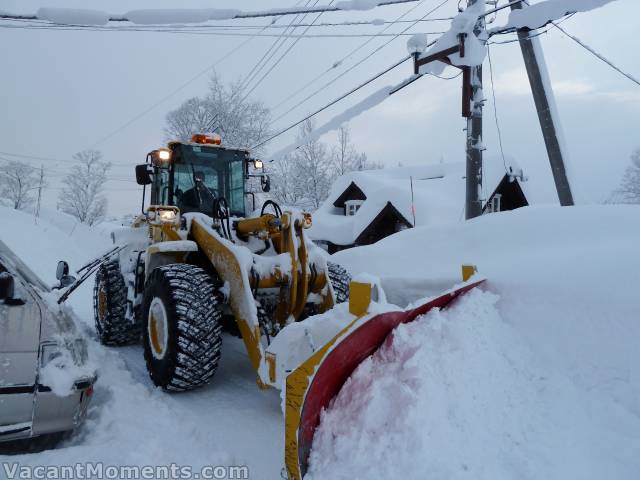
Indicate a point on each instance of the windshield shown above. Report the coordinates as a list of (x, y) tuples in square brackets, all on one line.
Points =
[(202, 174)]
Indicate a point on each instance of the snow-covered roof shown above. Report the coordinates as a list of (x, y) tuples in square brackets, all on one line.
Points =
[(438, 198), (439, 194)]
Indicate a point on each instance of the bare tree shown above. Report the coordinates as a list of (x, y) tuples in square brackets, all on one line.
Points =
[(82, 195), (315, 171), (346, 158), (629, 190), (285, 185), (224, 110), (18, 181)]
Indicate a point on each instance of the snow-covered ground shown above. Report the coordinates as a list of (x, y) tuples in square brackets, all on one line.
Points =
[(537, 376), (229, 423), (534, 376)]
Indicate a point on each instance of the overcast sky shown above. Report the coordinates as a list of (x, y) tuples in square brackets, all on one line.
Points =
[(63, 91)]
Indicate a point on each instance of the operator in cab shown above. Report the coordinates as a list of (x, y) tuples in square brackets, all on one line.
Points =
[(198, 197)]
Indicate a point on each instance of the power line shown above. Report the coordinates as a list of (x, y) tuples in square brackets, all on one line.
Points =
[(293, 44), (339, 63), (333, 102), (597, 55), (495, 108), (172, 93), (308, 97), (56, 160), (275, 12)]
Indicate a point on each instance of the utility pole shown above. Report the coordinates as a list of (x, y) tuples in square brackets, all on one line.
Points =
[(472, 80), (545, 106), (40, 187)]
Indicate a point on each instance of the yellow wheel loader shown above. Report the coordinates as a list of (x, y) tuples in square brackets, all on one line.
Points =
[(194, 264)]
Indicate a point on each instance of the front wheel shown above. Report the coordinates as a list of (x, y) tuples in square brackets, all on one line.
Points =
[(340, 280), (182, 331), (110, 306)]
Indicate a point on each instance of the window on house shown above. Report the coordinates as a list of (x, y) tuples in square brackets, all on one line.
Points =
[(494, 204), (352, 206)]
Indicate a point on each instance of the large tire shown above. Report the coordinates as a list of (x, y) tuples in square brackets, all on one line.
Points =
[(110, 306), (340, 280), (182, 327)]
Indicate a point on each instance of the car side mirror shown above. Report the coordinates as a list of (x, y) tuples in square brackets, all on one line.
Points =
[(62, 269), (143, 174), (265, 183), (62, 274), (8, 290)]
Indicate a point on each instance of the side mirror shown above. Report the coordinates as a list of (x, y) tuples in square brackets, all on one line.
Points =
[(143, 174), (7, 286), (8, 290), (265, 182), (62, 274), (62, 269)]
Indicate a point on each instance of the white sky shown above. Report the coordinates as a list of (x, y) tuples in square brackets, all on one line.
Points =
[(64, 90)]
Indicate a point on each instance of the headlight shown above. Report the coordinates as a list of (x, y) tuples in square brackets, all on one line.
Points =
[(167, 216), (163, 215)]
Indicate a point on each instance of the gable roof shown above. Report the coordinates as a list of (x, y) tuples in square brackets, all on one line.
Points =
[(352, 192), (438, 197)]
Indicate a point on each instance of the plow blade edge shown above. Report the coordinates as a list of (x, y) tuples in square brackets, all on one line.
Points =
[(318, 380)]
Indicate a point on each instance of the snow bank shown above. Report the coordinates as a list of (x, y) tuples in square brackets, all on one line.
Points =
[(460, 394), (542, 382), (41, 242)]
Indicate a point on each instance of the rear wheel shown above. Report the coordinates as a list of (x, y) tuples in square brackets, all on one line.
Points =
[(340, 279), (110, 306), (182, 331)]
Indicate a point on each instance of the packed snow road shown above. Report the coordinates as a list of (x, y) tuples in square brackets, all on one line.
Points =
[(228, 423), (536, 375)]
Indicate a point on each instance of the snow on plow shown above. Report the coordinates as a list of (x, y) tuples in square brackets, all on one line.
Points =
[(314, 383)]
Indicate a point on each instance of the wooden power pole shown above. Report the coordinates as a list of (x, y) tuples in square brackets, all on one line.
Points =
[(473, 82), (545, 106)]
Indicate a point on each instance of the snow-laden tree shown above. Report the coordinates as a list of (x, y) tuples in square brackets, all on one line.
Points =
[(18, 182), (82, 194), (629, 190), (224, 110), (346, 158), (303, 178)]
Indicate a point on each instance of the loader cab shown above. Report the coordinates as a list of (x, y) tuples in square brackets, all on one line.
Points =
[(192, 175)]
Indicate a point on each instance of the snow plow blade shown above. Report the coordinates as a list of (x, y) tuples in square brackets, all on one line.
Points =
[(311, 387)]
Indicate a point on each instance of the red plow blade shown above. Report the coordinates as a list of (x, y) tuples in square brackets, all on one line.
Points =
[(311, 387)]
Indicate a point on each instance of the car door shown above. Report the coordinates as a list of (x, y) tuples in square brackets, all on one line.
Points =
[(19, 341)]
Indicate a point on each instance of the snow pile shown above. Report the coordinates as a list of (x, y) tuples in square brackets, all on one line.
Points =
[(460, 394), (538, 379), (475, 49), (41, 242), (73, 16), (540, 14)]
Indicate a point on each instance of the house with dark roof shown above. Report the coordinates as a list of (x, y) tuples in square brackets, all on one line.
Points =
[(366, 206)]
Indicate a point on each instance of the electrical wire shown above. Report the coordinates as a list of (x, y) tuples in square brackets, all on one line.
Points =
[(338, 63), (258, 14), (597, 55), (495, 109), (326, 85), (333, 102), (293, 44)]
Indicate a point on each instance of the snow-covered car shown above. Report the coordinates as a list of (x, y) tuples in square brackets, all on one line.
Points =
[(46, 382)]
